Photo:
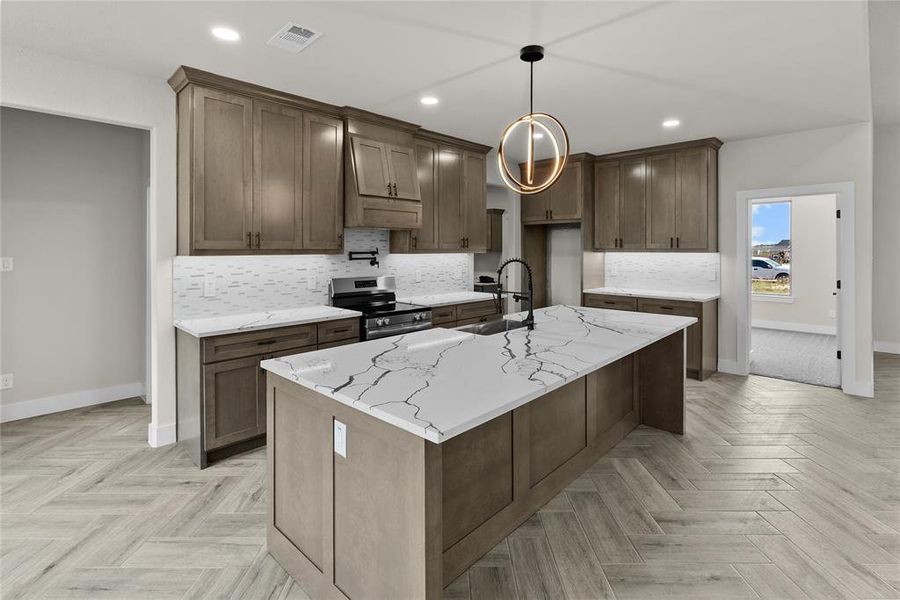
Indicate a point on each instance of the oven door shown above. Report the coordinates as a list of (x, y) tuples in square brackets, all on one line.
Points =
[(383, 332)]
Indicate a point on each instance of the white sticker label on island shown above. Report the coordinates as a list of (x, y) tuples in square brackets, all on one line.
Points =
[(340, 438)]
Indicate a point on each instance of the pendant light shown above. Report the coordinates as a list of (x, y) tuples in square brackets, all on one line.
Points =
[(539, 126)]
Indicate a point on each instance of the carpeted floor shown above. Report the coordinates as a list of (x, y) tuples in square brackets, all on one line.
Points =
[(804, 357)]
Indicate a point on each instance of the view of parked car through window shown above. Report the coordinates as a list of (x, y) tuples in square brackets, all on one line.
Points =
[(770, 270)]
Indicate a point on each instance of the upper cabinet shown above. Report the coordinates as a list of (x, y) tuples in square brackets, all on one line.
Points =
[(662, 198), (452, 180), (256, 173), (562, 202)]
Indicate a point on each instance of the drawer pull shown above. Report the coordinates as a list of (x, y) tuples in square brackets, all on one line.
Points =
[(341, 330), (265, 342)]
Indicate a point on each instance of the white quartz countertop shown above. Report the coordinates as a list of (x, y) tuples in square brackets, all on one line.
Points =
[(663, 294), (208, 326), (440, 382), (447, 298)]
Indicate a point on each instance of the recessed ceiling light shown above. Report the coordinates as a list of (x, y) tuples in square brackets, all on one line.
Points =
[(670, 123), (226, 34), (429, 100)]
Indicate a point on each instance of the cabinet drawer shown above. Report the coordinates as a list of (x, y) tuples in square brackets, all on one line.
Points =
[(612, 302), (475, 309), (338, 343), (481, 319), (333, 331), (237, 345), (669, 307), (443, 314)]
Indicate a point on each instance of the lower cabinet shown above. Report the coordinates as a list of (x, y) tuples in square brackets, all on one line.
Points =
[(457, 315), (221, 389), (702, 356)]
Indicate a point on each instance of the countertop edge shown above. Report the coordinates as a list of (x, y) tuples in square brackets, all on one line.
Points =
[(661, 295), (349, 314)]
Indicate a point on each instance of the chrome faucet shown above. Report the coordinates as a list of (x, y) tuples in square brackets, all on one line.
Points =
[(518, 296)]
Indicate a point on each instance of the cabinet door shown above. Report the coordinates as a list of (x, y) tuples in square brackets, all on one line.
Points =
[(370, 161), (661, 201), (323, 189), (475, 201), (402, 167), (222, 171), (536, 207), (633, 196), (277, 176), (451, 212), (426, 238), (606, 206), (234, 401), (691, 199), (567, 193)]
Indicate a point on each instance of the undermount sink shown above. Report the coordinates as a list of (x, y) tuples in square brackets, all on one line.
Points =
[(492, 327)]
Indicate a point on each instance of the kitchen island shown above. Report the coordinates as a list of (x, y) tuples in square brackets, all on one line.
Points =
[(395, 464)]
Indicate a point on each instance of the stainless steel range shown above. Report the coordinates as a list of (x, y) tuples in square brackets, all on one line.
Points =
[(376, 298)]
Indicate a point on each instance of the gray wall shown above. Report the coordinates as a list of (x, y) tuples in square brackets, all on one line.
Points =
[(73, 219), (886, 284)]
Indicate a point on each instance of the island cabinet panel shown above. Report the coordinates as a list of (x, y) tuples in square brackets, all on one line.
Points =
[(299, 508), (221, 165), (661, 365), (614, 389), (557, 429), (478, 467)]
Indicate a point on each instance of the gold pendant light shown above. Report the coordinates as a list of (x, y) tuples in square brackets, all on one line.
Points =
[(539, 125)]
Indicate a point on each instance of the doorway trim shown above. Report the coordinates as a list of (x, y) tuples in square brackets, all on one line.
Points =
[(846, 272)]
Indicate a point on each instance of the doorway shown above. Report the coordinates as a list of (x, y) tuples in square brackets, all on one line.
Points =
[(793, 252)]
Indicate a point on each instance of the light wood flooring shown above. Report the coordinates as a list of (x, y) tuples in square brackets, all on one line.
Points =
[(779, 490)]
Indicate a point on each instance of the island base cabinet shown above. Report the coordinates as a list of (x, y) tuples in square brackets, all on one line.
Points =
[(388, 514)]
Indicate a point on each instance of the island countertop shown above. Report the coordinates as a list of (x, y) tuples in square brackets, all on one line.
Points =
[(439, 383)]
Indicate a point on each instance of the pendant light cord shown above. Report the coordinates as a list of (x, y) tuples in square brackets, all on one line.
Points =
[(531, 91)]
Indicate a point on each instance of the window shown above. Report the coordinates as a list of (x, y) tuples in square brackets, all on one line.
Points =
[(771, 248)]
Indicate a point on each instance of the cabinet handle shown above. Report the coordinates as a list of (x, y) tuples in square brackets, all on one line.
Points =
[(249, 239), (678, 242), (551, 213), (257, 239), (671, 242), (415, 241), (395, 191), (389, 190)]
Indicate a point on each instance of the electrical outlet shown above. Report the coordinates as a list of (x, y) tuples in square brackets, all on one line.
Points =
[(311, 283), (209, 287), (6, 381), (7, 263), (340, 438), (418, 276), (711, 275)]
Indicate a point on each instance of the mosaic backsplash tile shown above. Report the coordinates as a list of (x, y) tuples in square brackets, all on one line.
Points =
[(677, 272), (259, 283)]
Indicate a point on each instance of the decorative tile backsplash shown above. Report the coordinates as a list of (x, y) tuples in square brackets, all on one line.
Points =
[(670, 271), (259, 283)]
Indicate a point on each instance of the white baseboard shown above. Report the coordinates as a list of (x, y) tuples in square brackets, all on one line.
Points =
[(729, 366), (161, 435), (889, 347), (799, 327), (866, 389), (54, 404)]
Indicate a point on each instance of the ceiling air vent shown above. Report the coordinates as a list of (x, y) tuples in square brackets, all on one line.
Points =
[(294, 38)]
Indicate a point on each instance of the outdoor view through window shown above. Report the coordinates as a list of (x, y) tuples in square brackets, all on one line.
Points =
[(770, 271)]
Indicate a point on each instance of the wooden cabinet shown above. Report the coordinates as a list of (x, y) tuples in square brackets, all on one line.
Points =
[(457, 315), (494, 227), (384, 170), (453, 182), (661, 198), (221, 388), (563, 201), (219, 169), (254, 166), (702, 337), (474, 201)]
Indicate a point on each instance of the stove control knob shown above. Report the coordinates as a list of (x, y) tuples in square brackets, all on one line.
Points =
[(387, 321), (379, 322), (417, 317)]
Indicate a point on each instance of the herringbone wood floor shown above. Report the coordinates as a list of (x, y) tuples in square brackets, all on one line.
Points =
[(779, 490)]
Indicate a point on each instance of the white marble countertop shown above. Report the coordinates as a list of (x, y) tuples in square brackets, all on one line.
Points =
[(440, 382), (663, 294), (444, 299), (209, 326)]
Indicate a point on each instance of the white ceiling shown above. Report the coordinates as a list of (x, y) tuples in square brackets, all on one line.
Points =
[(613, 71)]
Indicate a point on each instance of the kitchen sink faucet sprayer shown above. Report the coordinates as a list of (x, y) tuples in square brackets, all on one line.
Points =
[(518, 296)]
